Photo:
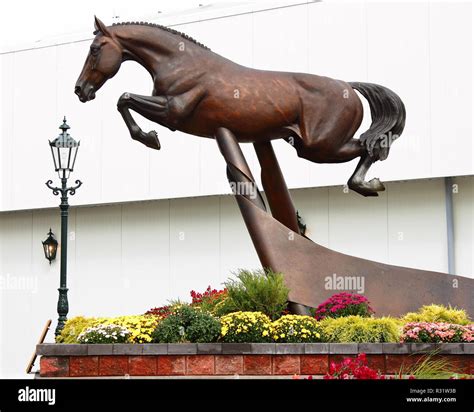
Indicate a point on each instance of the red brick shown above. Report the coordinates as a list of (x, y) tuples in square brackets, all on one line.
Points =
[(471, 363), (200, 365), (229, 364), (376, 362), (257, 365), (458, 363), (171, 365), (339, 358), (314, 364), (286, 364), (113, 365), (393, 363), (142, 365), (54, 366), (83, 366)]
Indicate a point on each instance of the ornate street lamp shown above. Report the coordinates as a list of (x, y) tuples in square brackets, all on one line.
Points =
[(50, 246), (64, 150)]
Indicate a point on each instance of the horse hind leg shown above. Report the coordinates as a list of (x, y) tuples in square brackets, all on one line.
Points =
[(345, 153), (357, 180), (325, 152)]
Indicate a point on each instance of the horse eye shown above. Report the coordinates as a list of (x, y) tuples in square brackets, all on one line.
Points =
[(95, 50)]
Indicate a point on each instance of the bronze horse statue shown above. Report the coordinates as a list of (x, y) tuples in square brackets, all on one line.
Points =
[(197, 91)]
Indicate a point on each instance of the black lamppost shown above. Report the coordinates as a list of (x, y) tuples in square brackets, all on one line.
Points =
[(64, 150)]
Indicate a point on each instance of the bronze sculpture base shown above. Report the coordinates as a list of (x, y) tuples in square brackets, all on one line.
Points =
[(309, 268)]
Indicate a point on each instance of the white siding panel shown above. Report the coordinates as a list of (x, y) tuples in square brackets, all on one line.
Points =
[(236, 250), (338, 40), (18, 286), (312, 205), (6, 128), (417, 225), (280, 39), (451, 88), (98, 262), (463, 205), (194, 245), (398, 58), (145, 279), (350, 234), (174, 170), (34, 112)]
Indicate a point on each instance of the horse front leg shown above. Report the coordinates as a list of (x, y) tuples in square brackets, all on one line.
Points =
[(149, 107)]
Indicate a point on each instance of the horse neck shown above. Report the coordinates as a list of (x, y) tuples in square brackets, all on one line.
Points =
[(150, 46)]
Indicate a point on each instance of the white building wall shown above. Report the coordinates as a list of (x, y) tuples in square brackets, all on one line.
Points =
[(126, 258), (421, 50)]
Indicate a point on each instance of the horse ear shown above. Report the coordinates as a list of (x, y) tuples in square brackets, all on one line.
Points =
[(100, 27)]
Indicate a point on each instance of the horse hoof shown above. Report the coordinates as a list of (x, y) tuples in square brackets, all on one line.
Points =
[(154, 141), (363, 188), (376, 185)]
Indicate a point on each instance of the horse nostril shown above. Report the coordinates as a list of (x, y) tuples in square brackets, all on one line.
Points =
[(77, 90)]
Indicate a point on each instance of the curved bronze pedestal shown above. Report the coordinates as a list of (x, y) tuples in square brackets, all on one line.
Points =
[(313, 272)]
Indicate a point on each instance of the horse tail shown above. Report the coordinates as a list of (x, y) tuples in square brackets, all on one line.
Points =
[(388, 118)]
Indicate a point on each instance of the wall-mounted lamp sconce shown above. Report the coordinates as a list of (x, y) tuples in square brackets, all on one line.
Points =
[(50, 246)]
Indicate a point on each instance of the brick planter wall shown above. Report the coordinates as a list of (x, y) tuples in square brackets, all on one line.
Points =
[(215, 359)]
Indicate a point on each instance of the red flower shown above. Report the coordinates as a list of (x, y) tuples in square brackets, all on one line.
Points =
[(162, 311), (209, 295), (353, 368), (344, 304)]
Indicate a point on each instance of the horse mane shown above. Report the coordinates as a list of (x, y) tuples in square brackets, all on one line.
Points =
[(168, 29)]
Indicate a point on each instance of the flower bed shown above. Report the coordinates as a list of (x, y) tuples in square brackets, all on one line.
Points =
[(247, 323)]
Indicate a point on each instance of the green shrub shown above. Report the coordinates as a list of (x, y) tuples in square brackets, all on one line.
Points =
[(187, 324), (359, 329), (438, 313), (224, 307), (73, 328), (109, 333), (241, 327), (255, 291), (206, 328), (296, 329)]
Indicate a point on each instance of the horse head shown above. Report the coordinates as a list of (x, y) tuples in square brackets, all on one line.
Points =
[(102, 63)]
